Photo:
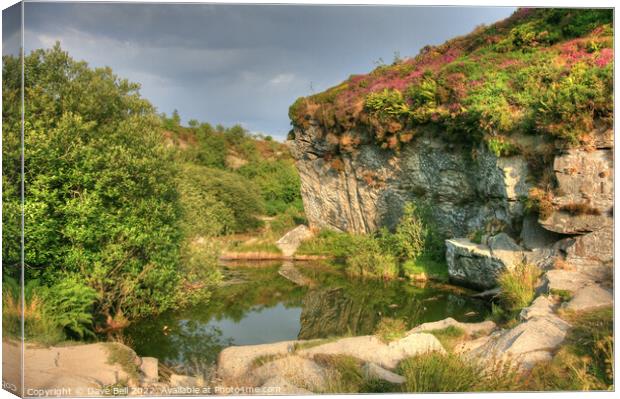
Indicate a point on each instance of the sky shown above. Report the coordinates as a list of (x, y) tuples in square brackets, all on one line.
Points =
[(243, 64)]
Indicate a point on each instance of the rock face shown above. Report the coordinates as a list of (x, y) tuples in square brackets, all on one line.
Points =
[(366, 189), (584, 195), (478, 265)]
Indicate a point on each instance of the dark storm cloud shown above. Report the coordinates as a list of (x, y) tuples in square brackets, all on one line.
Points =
[(11, 29), (242, 63)]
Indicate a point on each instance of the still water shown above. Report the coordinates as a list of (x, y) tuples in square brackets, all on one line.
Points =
[(258, 305)]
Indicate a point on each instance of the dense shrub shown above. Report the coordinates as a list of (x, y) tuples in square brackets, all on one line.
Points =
[(367, 259), (100, 193), (279, 184), (225, 202), (415, 234)]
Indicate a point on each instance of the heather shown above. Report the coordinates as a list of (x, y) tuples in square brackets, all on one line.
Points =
[(545, 72)]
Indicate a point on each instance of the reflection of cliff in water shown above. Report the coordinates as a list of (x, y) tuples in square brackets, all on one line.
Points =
[(330, 312), (357, 309)]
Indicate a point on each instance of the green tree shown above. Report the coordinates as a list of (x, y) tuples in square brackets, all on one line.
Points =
[(101, 202)]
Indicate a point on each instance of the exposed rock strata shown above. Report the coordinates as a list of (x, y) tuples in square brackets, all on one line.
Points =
[(365, 189)]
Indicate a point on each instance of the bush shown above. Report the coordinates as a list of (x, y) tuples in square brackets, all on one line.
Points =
[(436, 372), (100, 200), (217, 201), (50, 314), (415, 235), (70, 305), (366, 258), (279, 184), (424, 264), (330, 243), (517, 287)]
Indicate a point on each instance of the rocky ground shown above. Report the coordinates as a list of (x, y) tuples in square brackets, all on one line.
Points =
[(100, 369)]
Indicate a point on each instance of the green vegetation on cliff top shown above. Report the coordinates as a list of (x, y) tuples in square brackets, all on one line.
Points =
[(541, 71)]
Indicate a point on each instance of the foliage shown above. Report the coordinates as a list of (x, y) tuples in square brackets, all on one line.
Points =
[(69, 303), (367, 259), (542, 71), (517, 287), (501, 147), (427, 265), (437, 372), (50, 314), (100, 197), (389, 329), (200, 260), (279, 184), (330, 243), (215, 201)]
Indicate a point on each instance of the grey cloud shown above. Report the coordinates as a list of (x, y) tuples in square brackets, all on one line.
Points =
[(242, 63)]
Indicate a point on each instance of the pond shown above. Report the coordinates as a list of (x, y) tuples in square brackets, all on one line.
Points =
[(256, 305)]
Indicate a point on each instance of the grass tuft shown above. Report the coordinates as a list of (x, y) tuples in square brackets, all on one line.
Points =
[(390, 329)]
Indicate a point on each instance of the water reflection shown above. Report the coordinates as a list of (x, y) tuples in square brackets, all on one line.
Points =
[(258, 305)]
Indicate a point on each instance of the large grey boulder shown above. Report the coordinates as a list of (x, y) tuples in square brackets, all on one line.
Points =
[(235, 361), (369, 348), (592, 253), (531, 341), (478, 265), (372, 371), (289, 242), (565, 280), (150, 369)]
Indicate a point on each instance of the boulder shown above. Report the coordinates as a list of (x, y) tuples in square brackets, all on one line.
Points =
[(150, 369), (478, 265), (524, 345), (589, 298), (289, 242), (298, 371), (565, 280), (235, 361), (280, 386), (77, 367), (369, 348), (484, 327), (373, 371), (534, 236)]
